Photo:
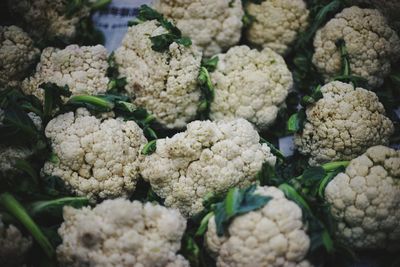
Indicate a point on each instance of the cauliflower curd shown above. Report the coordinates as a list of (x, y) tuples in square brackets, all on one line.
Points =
[(209, 157), (96, 158), (17, 54), (274, 235), (343, 124), (121, 233), (365, 200), (276, 23), (82, 68), (213, 25), (371, 44), (250, 84), (163, 83)]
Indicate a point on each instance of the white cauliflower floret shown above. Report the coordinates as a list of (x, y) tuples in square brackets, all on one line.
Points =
[(250, 84), (121, 233), (17, 54), (9, 157), (82, 68), (47, 19), (209, 157), (13, 246), (343, 124), (274, 235), (365, 200), (97, 158), (163, 83), (213, 25), (389, 8), (371, 45), (276, 23)]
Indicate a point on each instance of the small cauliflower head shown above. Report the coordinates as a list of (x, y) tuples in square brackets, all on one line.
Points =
[(250, 84), (213, 25), (343, 124), (96, 158), (365, 200), (209, 157), (371, 45), (277, 23), (9, 155), (48, 19), (17, 54), (274, 235), (82, 68), (14, 246), (121, 233), (165, 83)]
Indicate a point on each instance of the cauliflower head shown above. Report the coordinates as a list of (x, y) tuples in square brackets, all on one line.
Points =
[(8, 158), (163, 83), (82, 68), (365, 200), (371, 45), (250, 84), (343, 124), (274, 235), (121, 233), (209, 157), (213, 25), (276, 23), (17, 53), (13, 246), (96, 158), (48, 19)]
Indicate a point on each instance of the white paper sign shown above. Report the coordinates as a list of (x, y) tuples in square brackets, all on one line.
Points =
[(113, 21)]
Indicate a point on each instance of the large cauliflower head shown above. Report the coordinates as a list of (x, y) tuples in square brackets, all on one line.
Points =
[(48, 19), (209, 157), (121, 233), (276, 23), (371, 45), (17, 53), (96, 158), (250, 84), (163, 83), (213, 25), (365, 200), (13, 246), (82, 68), (343, 124), (274, 235)]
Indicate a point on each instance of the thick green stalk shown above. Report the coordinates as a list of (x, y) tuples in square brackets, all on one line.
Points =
[(334, 165), (93, 100), (17, 210)]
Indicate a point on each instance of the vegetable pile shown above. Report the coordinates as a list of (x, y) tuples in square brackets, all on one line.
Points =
[(170, 150)]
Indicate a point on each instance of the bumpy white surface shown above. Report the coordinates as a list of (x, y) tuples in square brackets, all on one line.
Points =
[(213, 25), (46, 19), (277, 23), (250, 84), (269, 237), (121, 233), (17, 54), (97, 158), (343, 124), (365, 200), (163, 83), (82, 68), (371, 44), (207, 157), (13, 246)]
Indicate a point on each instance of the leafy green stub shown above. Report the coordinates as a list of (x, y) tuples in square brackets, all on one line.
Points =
[(12, 206), (150, 147), (296, 121), (237, 202), (116, 83), (207, 92), (210, 64), (54, 207), (53, 97), (161, 42)]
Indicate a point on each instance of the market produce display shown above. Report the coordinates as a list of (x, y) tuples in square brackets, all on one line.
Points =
[(223, 133)]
